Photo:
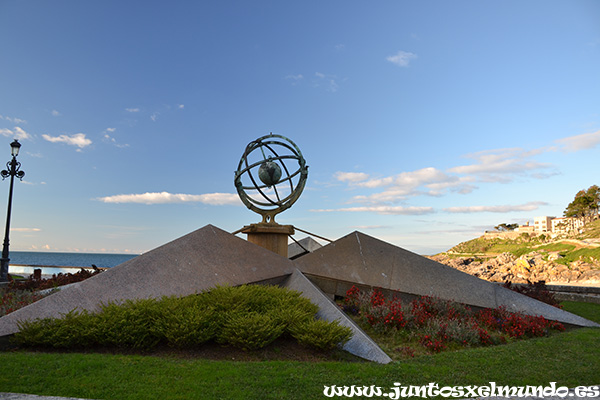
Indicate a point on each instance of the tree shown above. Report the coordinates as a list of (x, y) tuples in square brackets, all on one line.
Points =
[(585, 205), (506, 227)]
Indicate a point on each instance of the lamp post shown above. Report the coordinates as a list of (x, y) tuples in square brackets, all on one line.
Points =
[(13, 169)]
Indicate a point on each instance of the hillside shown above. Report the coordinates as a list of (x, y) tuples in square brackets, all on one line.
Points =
[(530, 258)]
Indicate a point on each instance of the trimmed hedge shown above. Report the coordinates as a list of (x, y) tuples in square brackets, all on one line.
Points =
[(321, 334), (249, 317)]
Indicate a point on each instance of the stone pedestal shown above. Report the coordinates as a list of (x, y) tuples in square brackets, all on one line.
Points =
[(272, 237)]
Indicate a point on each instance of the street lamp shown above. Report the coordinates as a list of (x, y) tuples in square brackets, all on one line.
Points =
[(13, 169)]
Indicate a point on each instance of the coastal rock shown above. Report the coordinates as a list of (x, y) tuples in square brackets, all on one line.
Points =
[(532, 267)]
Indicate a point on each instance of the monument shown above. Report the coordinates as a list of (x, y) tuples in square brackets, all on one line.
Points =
[(277, 163), (270, 177)]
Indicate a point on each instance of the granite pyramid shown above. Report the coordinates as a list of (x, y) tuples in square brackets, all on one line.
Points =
[(210, 256), (302, 247), (369, 262), (191, 264), (195, 262)]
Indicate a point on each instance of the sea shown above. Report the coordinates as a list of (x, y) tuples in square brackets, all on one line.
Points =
[(24, 262)]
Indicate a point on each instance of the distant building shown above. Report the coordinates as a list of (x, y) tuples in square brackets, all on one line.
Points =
[(566, 225), (542, 224), (525, 228)]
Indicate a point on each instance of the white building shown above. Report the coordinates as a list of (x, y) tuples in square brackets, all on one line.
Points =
[(566, 225), (542, 224)]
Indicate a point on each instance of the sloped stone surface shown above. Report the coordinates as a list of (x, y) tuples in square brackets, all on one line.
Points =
[(364, 260), (195, 262), (298, 249), (360, 344)]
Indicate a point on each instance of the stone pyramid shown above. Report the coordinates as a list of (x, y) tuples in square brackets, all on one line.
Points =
[(360, 343), (304, 246), (191, 264), (210, 256), (195, 262), (363, 260)]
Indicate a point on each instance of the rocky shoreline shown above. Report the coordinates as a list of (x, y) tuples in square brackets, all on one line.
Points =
[(532, 267)]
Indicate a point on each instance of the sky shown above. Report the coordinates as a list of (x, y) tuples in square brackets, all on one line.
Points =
[(423, 123)]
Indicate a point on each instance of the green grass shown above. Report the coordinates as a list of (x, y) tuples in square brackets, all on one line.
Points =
[(592, 230), (519, 246), (586, 310), (584, 254), (569, 358), (525, 245)]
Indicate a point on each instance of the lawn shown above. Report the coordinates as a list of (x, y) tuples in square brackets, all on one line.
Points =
[(568, 358)]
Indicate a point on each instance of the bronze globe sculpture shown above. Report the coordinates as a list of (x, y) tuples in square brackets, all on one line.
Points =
[(270, 176)]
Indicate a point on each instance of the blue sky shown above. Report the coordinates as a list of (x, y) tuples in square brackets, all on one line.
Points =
[(423, 123)]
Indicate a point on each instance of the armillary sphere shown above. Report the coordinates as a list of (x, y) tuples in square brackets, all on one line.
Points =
[(270, 176)]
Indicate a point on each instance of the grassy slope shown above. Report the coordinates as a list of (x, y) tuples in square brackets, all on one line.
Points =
[(524, 245), (592, 230), (569, 358)]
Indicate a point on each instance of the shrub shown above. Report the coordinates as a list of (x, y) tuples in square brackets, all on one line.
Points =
[(321, 334), (75, 329), (187, 321), (250, 330), (249, 317), (34, 333), (132, 324)]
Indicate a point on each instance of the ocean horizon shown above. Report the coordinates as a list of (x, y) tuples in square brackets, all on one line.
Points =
[(64, 259)]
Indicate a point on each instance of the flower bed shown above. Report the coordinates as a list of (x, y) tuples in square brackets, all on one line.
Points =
[(430, 324), (13, 299), (22, 292)]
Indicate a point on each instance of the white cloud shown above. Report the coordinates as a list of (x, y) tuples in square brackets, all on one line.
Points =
[(426, 181), (294, 77), (459, 185), (351, 176), (532, 205), (371, 227), (56, 113), (180, 106), (154, 116), (329, 81), (21, 134), (165, 198), (132, 110), (501, 165), (14, 120), (25, 229), (410, 179), (108, 138), (382, 194), (402, 58), (384, 210), (580, 142), (77, 139), (17, 133)]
